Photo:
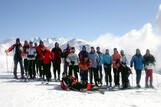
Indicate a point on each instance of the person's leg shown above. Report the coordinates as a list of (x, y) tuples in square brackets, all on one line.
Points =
[(58, 72), (48, 73), (106, 75), (76, 70), (151, 77), (15, 68), (96, 79), (30, 68), (91, 75), (138, 78), (22, 68), (100, 70), (115, 76), (70, 70), (109, 75), (54, 71), (146, 78), (33, 67), (26, 66)]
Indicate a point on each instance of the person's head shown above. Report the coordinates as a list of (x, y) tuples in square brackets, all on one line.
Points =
[(25, 43), (84, 48), (56, 45), (147, 52), (68, 46), (138, 52), (92, 49), (18, 41), (30, 44), (98, 49), (115, 50), (35, 44), (41, 43), (122, 53), (107, 51), (72, 49)]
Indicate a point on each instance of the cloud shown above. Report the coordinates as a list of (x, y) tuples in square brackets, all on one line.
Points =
[(143, 38), (159, 21)]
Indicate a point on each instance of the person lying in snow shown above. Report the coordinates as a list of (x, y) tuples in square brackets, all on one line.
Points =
[(72, 83)]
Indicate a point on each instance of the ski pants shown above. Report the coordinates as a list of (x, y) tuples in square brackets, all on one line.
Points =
[(138, 76), (84, 76), (93, 72), (56, 69), (108, 76), (99, 70), (116, 76), (31, 69), (15, 67), (149, 74), (47, 71), (74, 68)]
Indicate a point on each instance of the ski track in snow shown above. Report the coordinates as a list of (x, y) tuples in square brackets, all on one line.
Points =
[(17, 93)]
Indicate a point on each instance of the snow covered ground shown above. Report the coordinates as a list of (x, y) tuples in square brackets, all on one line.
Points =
[(16, 93)]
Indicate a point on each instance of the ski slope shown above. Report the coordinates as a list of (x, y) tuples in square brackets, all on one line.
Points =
[(17, 93)]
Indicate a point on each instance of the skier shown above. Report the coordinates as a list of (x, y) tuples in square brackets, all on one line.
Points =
[(149, 62), (31, 60), (99, 66), (36, 60), (25, 51), (84, 65), (70, 83), (17, 47), (93, 69), (46, 59), (73, 60), (116, 57), (138, 62), (125, 73), (66, 52), (107, 62), (57, 61), (40, 61)]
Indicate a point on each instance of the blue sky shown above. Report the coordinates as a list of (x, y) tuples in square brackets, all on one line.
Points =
[(86, 19)]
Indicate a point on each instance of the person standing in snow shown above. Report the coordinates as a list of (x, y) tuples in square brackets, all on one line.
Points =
[(99, 66), (25, 51), (36, 60), (40, 60), (93, 69), (18, 53), (84, 65), (66, 52), (149, 62), (138, 62), (31, 60), (116, 58), (107, 62), (46, 59), (73, 62), (56, 61)]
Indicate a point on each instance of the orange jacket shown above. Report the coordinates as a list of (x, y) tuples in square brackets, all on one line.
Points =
[(85, 66), (115, 57)]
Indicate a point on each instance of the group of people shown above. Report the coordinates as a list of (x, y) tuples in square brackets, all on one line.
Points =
[(37, 59)]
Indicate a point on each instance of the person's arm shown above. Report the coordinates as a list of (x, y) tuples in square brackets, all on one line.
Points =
[(131, 62), (10, 49)]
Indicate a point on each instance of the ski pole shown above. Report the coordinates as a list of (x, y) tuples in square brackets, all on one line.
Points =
[(7, 62)]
